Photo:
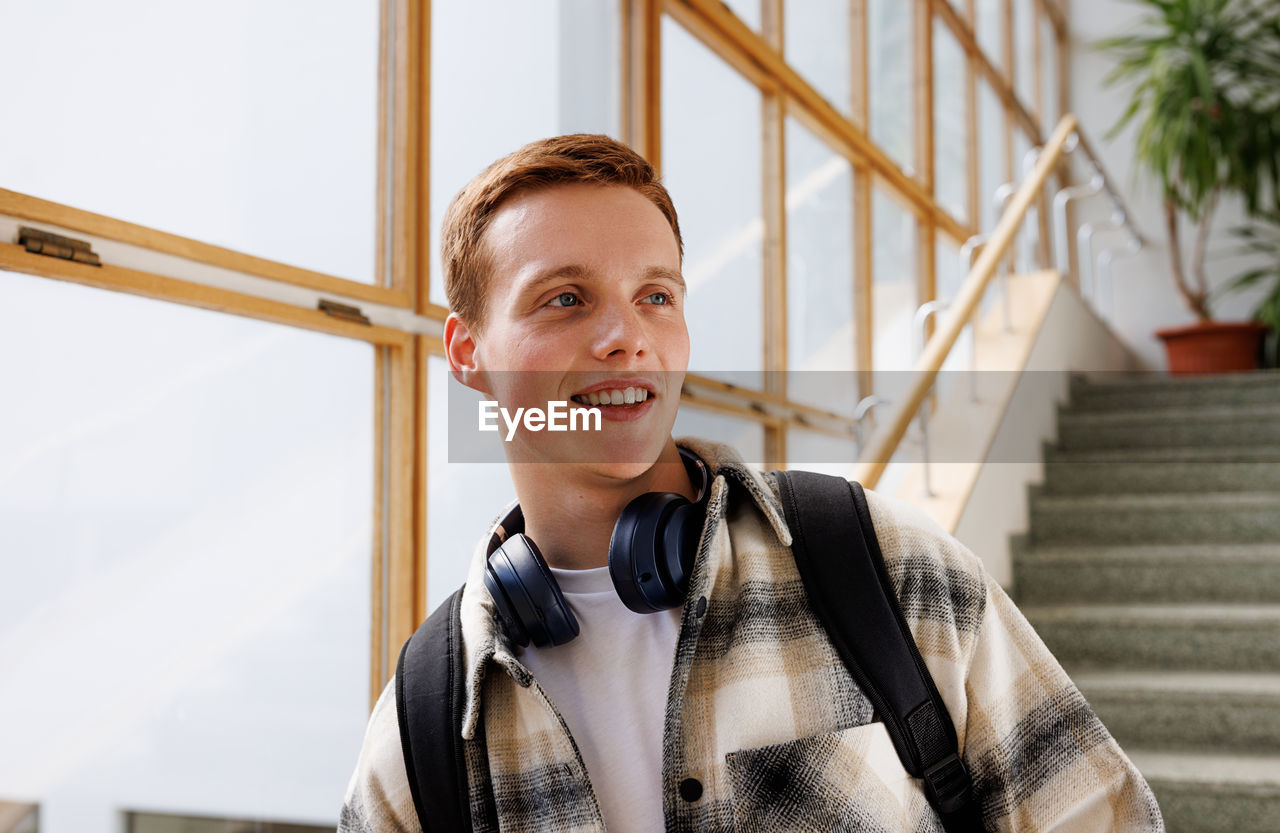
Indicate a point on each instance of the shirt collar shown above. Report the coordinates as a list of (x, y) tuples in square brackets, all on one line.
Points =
[(482, 638)]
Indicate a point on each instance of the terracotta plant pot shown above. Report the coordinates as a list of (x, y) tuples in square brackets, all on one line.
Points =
[(1214, 346)]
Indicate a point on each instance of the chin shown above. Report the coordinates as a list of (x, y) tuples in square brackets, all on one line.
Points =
[(617, 455), (626, 470)]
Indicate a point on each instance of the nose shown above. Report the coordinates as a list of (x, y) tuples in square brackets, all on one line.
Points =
[(620, 332)]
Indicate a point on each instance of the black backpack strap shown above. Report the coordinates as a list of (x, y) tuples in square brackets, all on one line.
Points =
[(429, 701), (842, 567)]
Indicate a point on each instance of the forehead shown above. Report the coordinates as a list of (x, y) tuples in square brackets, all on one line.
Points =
[(599, 226)]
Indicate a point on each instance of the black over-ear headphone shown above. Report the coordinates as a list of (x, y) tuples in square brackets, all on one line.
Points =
[(650, 554)]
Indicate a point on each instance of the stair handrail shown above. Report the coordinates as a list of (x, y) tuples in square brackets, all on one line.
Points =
[(962, 307)]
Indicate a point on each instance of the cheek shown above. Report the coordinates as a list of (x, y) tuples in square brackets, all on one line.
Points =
[(540, 362), (678, 345), (537, 364), (533, 350)]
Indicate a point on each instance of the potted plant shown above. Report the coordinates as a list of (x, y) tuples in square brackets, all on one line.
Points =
[(1263, 238), (1208, 103)]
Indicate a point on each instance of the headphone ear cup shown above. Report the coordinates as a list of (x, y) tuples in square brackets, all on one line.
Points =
[(680, 544), (498, 566), (526, 594), (649, 555)]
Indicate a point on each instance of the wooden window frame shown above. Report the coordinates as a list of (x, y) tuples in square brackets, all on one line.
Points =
[(399, 556), (759, 57), (398, 549)]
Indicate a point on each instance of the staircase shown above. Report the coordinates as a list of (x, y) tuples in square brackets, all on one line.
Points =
[(1152, 571)]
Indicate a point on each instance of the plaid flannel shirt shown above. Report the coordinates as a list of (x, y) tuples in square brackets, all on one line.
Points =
[(762, 712)]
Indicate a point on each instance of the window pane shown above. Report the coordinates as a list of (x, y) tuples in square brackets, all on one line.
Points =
[(990, 32), (889, 58), (165, 823), (462, 497), (814, 451), (711, 165), (20, 816), (546, 69), (746, 435), (1024, 79), (186, 503), (949, 269), (818, 34), (950, 144), (245, 124), (748, 11), (951, 272), (1023, 161), (893, 288), (1026, 241), (819, 270), (992, 152), (1048, 73)]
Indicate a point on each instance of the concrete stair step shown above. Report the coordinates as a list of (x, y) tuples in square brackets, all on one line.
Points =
[(1210, 517), (1213, 793), (1162, 427), (1185, 637), (1058, 574), (1188, 711), (1173, 454), (1152, 571), (1115, 390), (1165, 469)]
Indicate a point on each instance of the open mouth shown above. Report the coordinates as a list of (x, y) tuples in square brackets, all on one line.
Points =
[(623, 398)]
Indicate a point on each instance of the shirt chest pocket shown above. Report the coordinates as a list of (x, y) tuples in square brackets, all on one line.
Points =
[(849, 780)]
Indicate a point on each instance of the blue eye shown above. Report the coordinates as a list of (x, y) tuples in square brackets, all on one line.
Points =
[(561, 297), (666, 299)]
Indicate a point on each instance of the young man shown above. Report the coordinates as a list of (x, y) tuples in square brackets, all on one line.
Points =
[(732, 711)]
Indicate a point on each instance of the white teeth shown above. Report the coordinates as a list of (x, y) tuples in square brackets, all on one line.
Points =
[(628, 396)]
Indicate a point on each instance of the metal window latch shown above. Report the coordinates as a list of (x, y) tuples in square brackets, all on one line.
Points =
[(55, 245), (344, 311)]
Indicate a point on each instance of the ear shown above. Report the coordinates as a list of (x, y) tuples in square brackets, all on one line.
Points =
[(461, 350)]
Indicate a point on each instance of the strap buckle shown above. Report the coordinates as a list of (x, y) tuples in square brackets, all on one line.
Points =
[(947, 784)]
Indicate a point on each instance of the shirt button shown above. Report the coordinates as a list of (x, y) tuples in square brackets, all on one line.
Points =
[(702, 606), (691, 789)]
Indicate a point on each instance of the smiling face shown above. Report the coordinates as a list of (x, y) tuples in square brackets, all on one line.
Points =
[(585, 293)]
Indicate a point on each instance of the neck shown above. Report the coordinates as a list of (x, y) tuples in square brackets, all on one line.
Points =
[(571, 518)]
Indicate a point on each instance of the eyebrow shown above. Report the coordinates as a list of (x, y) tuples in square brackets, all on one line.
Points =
[(578, 271)]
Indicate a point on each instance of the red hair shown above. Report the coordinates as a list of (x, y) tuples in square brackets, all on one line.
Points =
[(575, 158)]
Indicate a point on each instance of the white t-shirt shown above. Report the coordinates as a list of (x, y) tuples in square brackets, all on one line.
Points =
[(610, 686)]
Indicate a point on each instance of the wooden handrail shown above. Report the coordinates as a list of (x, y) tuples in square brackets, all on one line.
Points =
[(962, 308)]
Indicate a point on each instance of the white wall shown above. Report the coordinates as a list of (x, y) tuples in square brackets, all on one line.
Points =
[(1144, 295), (1073, 337)]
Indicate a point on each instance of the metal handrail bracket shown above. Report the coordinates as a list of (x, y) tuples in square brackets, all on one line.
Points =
[(1060, 202)]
